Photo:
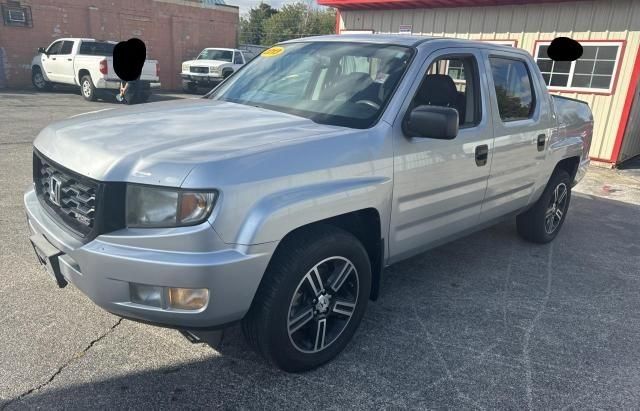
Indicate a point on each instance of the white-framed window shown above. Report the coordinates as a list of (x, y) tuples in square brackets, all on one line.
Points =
[(595, 71)]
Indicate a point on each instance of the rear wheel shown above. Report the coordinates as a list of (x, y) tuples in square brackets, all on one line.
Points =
[(311, 300), (38, 80), (87, 88), (542, 222)]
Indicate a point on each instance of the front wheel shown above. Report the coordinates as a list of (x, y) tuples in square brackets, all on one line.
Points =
[(87, 88), (37, 78), (311, 300), (189, 87), (542, 222)]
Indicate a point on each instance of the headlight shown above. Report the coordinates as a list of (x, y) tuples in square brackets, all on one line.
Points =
[(165, 207), (185, 67), (214, 70)]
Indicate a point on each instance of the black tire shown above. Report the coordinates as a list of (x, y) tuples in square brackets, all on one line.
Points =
[(87, 89), (226, 73), (38, 81), (284, 286), (534, 224), (189, 87)]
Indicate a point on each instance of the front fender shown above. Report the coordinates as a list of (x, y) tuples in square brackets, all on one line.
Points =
[(279, 213)]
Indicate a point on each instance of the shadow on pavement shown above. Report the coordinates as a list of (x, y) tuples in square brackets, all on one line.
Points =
[(105, 97), (487, 321)]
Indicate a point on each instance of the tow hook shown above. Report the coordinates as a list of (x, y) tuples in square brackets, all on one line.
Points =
[(212, 338)]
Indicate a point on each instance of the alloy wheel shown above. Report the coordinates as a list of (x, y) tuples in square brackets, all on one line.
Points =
[(323, 304), (556, 209), (86, 88)]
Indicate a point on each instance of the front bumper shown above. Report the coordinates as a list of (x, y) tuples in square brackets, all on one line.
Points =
[(187, 257), (202, 78)]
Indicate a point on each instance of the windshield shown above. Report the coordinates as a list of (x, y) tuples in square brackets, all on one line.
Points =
[(345, 84), (222, 55)]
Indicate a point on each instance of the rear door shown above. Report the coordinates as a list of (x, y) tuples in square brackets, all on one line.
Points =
[(522, 125), (439, 185)]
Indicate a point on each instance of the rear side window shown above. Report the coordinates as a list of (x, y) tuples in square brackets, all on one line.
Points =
[(67, 46), (96, 48), (514, 89)]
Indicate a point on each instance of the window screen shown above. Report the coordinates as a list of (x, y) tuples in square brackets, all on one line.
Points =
[(595, 70), (514, 89)]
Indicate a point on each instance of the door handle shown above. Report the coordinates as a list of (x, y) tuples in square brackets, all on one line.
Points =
[(69, 59), (53, 58), (482, 153), (542, 139)]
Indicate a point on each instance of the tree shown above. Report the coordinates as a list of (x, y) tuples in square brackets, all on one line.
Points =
[(252, 27), (297, 20)]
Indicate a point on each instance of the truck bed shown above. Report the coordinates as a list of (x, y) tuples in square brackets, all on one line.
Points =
[(574, 119)]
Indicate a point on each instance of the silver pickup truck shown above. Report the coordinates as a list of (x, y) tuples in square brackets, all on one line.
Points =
[(278, 198)]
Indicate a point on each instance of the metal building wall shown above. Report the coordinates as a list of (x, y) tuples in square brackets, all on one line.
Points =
[(584, 20)]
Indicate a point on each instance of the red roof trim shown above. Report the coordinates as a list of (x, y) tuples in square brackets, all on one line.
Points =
[(413, 4)]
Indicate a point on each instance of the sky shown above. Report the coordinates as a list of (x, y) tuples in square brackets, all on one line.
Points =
[(245, 5)]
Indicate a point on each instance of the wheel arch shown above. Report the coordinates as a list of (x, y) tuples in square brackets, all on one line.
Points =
[(81, 73), (570, 165), (365, 225)]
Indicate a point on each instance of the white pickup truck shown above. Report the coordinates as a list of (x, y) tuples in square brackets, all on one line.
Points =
[(86, 63), (211, 67)]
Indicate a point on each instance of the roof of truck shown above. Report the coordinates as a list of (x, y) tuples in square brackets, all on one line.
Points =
[(401, 40)]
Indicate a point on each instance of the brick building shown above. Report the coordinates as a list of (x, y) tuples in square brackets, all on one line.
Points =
[(173, 30)]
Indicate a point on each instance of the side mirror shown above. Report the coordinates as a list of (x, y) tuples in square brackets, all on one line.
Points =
[(42, 50), (432, 122)]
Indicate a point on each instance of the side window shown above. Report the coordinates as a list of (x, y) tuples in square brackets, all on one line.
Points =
[(237, 58), (55, 48), (452, 81), (514, 89), (67, 46)]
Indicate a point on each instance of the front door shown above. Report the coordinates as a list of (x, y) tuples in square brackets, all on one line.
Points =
[(439, 185), (49, 60), (64, 63)]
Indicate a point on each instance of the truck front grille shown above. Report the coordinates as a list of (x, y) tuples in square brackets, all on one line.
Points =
[(199, 69), (76, 201)]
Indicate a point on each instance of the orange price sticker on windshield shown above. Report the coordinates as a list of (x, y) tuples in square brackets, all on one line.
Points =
[(273, 51)]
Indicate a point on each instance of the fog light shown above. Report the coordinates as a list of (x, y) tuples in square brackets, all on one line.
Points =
[(146, 294), (188, 298)]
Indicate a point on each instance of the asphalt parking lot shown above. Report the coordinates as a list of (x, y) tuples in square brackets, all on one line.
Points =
[(488, 321)]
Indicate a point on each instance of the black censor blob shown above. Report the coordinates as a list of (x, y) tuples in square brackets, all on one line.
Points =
[(564, 49), (128, 59)]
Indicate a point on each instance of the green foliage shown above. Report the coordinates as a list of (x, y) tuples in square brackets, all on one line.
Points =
[(252, 26), (265, 25)]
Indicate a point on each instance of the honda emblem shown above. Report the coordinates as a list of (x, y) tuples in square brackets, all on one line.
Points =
[(55, 186)]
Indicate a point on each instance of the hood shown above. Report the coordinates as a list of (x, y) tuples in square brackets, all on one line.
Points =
[(160, 143), (206, 63)]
